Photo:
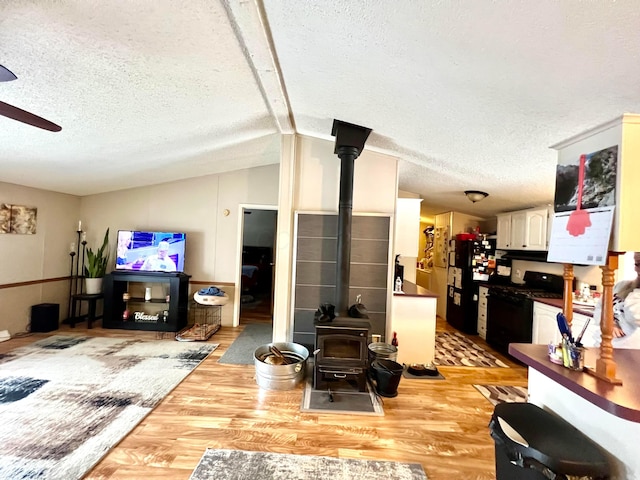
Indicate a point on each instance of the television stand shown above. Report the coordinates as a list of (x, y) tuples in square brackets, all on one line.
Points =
[(155, 301)]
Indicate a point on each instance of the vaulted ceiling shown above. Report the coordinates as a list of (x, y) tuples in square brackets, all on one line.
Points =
[(469, 95)]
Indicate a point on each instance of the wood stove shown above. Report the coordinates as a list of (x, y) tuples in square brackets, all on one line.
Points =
[(341, 345), (341, 353)]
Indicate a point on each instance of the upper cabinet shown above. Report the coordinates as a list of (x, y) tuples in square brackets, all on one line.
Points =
[(619, 138), (524, 230), (407, 231)]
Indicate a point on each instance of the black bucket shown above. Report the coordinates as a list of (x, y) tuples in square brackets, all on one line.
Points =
[(387, 375)]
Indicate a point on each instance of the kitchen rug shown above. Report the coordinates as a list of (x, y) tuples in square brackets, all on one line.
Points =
[(241, 351), (243, 465), (346, 400), (503, 393), (65, 401), (454, 349)]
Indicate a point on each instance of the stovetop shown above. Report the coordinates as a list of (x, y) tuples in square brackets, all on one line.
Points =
[(536, 284), (522, 290)]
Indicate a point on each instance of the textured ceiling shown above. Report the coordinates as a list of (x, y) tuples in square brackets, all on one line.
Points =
[(468, 94)]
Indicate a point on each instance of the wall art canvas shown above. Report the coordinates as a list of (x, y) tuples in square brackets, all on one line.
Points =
[(598, 187), (19, 219), (5, 217)]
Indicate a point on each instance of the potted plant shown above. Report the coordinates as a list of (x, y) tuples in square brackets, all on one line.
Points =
[(96, 266)]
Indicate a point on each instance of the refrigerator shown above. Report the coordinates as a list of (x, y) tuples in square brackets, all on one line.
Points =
[(471, 261)]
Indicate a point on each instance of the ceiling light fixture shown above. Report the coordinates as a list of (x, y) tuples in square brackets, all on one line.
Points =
[(475, 195)]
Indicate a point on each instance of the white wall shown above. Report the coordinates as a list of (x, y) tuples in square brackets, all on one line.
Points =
[(195, 206), (318, 179), (44, 255)]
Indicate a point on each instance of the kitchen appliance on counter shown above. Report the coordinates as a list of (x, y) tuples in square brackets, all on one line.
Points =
[(471, 261), (510, 308)]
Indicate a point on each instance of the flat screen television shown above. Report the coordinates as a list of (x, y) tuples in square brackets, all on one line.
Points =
[(139, 251)]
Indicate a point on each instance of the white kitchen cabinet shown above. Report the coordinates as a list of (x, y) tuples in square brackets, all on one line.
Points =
[(523, 230), (545, 325), (578, 323), (407, 227), (483, 292), (504, 232)]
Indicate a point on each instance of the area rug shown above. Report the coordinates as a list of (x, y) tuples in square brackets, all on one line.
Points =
[(240, 352), (503, 393), (65, 401), (346, 400), (454, 349), (242, 465)]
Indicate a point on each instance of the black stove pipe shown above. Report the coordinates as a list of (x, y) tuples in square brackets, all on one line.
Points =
[(350, 140)]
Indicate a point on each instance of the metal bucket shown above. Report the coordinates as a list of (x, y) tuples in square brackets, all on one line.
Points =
[(280, 377), (382, 350)]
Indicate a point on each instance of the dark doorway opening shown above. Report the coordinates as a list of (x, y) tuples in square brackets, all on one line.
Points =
[(258, 265)]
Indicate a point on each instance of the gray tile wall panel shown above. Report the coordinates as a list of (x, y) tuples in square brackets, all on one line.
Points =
[(303, 321), (317, 249), (369, 251), (311, 225), (310, 296), (316, 269), (370, 227)]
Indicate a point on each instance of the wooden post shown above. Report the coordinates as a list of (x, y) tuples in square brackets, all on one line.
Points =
[(605, 365), (568, 292)]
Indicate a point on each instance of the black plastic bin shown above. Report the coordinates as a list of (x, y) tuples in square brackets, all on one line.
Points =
[(554, 446), (387, 375)]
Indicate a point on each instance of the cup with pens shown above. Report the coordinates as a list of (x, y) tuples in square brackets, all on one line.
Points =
[(572, 349)]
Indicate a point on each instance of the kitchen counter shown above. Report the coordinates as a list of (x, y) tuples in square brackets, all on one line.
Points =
[(413, 318), (607, 414), (559, 303), (621, 401), (412, 290)]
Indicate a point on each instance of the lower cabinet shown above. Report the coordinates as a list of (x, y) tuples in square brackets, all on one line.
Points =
[(153, 301), (545, 325)]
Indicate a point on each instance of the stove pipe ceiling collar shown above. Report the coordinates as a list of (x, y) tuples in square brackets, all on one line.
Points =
[(350, 140)]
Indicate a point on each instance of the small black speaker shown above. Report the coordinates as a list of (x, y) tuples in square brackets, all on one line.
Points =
[(44, 317)]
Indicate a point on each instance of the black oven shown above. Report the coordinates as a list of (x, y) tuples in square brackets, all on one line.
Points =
[(509, 319), (510, 308)]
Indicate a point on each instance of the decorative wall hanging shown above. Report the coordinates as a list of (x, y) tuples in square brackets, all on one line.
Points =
[(19, 219)]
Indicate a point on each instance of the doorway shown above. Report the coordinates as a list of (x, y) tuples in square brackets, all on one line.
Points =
[(258, 265)]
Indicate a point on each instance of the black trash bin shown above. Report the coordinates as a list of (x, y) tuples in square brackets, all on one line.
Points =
[(387, 375), (542, 445)]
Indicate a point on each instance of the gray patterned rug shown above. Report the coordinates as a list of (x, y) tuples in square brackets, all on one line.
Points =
[(241, 465), (503, 393), (454, 349), (65, 401)]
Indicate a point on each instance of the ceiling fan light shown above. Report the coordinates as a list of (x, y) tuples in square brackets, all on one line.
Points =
[(475, 195)]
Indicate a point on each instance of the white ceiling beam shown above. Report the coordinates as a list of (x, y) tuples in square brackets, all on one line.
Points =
[(250, 25)]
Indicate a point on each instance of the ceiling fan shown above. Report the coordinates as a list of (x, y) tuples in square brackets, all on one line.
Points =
[(20, 115)]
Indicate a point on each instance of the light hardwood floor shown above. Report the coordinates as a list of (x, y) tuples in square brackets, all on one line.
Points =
[(441, 424)]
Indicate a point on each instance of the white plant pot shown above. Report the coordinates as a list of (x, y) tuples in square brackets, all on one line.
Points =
[(93, 286)]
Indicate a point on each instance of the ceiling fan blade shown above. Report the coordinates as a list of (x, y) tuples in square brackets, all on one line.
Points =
[(6, 75), (29, 118)]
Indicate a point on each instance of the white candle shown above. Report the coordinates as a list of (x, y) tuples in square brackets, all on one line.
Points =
[(84, 236), (72, 247), (79, 225)]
